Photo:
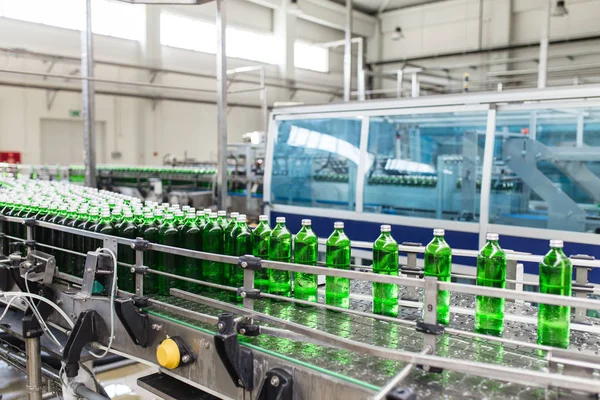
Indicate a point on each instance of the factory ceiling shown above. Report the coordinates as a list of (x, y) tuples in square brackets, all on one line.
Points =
[(378, 6)]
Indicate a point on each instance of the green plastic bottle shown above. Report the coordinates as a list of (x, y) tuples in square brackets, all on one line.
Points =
[(83, 222), (305, 252), (90, 244), (337, 290), (438, 263), (556, 274), (57, 236), (149, 232), (212, 242), (242, 237), (229, 244), (191, 239), (168, 235), (491, 272), (66, 240), (385, 262), (129, 230), (280, 249), (222, 219), (261, 239), (104, 226)]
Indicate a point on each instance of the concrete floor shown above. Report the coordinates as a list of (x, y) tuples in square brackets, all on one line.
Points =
[(120, 384)]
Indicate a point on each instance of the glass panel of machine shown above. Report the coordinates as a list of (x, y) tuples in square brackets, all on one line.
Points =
[(315, 162), (546, 168), (426, 165)]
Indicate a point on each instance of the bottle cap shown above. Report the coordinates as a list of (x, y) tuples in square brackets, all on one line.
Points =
[(207, 211), (386, 228), (556, 244), (492, 236), (439, 232), (338, 225), (280, 220), (306, 222), (148, 215), (200, 213), (214, 215), (241, 218), (263, 218), (222, 213), (234, 215)]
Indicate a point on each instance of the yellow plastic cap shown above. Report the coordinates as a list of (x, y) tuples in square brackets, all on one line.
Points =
[(168, 354)]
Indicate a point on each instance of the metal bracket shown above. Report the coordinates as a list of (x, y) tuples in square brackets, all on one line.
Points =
[(98, 268), (238, 361), (135, 322), (277, 385), (143, 270), (431, 329), (39, 266), (248, 329), (249, 293), (30, 222), (249, 262), (84, 332), (140, 244)]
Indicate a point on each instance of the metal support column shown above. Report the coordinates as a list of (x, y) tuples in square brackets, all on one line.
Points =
[(415, 89), (486, 175), (264, 105), (580, 127), (34, 368), (430, 311), (139, 278), (399, 78), (348, 52), (544, 38), (87, 88), (360, 70), (221, 107)]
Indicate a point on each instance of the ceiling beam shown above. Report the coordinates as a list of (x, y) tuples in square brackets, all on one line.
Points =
[(328, 13)]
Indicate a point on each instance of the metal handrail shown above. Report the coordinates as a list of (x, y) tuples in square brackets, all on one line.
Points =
[(510, 255)]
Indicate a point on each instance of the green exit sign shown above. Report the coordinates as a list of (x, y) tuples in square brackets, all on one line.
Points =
[(75, 113)]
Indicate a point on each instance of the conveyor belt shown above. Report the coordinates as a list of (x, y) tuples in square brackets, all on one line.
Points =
[(374, 372)]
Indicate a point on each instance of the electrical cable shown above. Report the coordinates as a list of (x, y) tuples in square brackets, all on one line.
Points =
[(113, 294), (6, 308), (41, 320), (45, 300)]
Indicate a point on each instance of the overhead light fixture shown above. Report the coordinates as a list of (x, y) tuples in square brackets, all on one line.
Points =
[(560, 9), (293, 7), (398, 34)]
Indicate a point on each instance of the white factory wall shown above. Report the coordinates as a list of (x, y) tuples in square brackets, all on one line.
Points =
[(140, 130), (453, 26)]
